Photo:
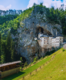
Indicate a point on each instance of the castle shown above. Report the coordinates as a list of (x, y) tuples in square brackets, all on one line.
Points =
[(47, 41)]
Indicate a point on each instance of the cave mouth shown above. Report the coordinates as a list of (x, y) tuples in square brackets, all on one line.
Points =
[(40, 30)]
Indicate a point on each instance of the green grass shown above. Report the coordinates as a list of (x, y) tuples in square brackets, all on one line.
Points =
[(28, 70), (54, 70)]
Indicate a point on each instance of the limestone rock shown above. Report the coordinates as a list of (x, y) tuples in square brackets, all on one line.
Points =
[(27, 45)]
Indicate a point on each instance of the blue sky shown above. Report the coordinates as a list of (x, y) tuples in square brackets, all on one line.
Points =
[(14, 4), (24, 4)]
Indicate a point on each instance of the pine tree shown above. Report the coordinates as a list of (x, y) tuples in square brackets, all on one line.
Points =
[(4, 49), (12, 50), (0, 48), (1, 51), (9, 45), (21, 61)]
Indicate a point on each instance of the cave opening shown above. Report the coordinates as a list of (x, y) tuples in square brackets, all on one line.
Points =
[(40, 30)]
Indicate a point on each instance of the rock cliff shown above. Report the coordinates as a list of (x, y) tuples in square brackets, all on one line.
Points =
[(27, 32), (10, 12)]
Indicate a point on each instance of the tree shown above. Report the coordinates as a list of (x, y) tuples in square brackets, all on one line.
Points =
[(1, 50), (4, 49), (34, 4), (35, 59), (21, 61), (12, 50), (9, 49), (0, 47), (25, 64), (41, 4), (2, 58)]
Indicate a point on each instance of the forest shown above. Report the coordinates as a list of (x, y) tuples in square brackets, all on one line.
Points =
[(7, 51), (4, 19)]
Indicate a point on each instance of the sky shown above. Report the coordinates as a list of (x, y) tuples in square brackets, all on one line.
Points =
[(24, 4)]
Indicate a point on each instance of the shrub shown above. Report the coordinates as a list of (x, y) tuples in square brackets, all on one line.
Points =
[(21, 61), (41, 57), (63, 49), (35, 59), (25, 64)]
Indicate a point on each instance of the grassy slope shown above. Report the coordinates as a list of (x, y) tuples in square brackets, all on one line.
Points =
[(28, 70), (55, 70)]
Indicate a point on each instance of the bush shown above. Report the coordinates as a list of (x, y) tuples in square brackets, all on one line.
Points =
[(25, 64), (41, 57), (35, 59), (21, 61), (63, 50)]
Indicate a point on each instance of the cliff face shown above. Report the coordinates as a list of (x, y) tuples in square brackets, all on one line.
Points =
[(10, 12), (27, 46)]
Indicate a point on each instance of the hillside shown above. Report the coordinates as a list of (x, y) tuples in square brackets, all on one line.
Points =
[(54, 70), (47, 15), (7, 44), (13, 24), (4, 19), (24, 29)]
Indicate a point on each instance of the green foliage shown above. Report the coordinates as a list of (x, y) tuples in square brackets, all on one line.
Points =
[(52, 15), (63, 49), (35, 59), (57, 16), (2, 59), (7, 18), (1, 50), (21, 61), (14, 24), (0, 47), (49, 53), (7, 51), (25, 64), (41, 4), (41, 57)]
